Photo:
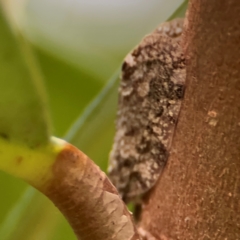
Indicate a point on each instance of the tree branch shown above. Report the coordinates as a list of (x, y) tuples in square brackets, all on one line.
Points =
[(198, 195), (88, 200)]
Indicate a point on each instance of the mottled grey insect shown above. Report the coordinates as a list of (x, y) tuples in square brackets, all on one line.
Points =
[(150, 95)]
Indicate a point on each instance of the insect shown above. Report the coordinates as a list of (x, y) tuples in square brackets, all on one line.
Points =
[(150, 95)]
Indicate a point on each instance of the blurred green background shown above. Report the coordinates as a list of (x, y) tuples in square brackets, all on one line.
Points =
[(79, 46)]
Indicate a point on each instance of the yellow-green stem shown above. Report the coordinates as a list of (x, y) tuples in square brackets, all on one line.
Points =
[(31, 165)]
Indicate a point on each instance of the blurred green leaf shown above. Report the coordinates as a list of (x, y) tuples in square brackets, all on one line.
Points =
[(95, 120), (69, 90), (22, 103), (28, 219), (23, 119), (94, 129), (16, 213), (180, 11)]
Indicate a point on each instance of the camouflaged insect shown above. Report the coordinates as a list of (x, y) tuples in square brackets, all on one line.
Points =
[(150, 95)]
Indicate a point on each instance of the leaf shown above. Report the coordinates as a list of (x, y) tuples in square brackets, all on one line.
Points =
[(23, 117), (180, 11), (16, 213), (94, 129), (97, 145), (70, 89)]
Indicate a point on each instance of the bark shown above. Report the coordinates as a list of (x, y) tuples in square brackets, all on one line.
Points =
[(87, 199), (198, 195)]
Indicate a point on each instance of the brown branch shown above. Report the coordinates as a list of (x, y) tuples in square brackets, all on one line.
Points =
[(198, 195), (87, 199)]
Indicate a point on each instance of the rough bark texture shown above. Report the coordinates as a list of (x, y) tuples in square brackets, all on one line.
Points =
[(150, 95), (88, 200), (198, 195)]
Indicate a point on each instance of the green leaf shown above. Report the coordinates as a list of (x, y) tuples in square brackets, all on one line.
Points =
[(93, 133), (16, 213), (23, 117), (180, 11), (70, 89)]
